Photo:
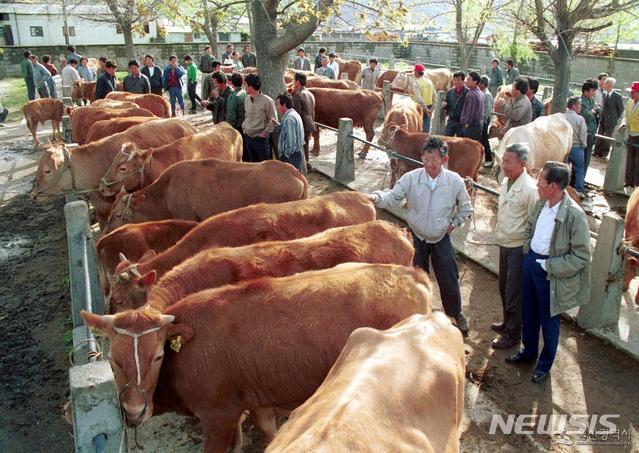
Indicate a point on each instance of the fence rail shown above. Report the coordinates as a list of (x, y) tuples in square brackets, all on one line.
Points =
[(97, 419)]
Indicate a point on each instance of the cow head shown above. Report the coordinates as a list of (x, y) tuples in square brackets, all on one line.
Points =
[(388, 134), (126, 170), (129, 286), (122, 209), (137, 339), (54, 175)]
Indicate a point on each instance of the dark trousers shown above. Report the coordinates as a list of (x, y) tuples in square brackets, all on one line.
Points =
[(445, 267), (510, 275), (43, 91), (3, 115), (488, 154), (472, 131), (257, 148), (190, 87), (453, 128), (426, 123), (588, 152), (307, 139), (296, 160), (602, 146), (31, 89), (156, 90), (632, 162), (536, 314)]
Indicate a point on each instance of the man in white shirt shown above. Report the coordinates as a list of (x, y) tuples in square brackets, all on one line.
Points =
[(333, 64), (437, 204), (70, 77), (556, 270), (517, 199)]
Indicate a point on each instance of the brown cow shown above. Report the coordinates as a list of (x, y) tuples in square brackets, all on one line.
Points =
[(371, 242), (106, 128), (221, 370), (387, 75), (464, 154), (83, 117), (84, 90), (631, 237), (197, 189), (154, 103), (256, 223), (113, 104), (135, 239), (374, 399), (325, 82), (351, 67), (408, 116), (41, 110), (58, 171), (220, 141), (362, 106)]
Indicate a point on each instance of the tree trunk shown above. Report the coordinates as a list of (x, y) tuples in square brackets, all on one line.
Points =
[(561, 89), (127, 33), (270, 64), (210, 29)]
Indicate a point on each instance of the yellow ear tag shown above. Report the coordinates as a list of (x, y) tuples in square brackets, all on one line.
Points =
[(176, 343)]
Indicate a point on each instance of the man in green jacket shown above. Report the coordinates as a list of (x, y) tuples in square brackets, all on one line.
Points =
[(26, 71), (556, 269), (235, 113), (496, 76), (590, 111)]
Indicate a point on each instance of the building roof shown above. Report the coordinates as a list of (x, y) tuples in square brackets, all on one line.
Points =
[(40, 9)]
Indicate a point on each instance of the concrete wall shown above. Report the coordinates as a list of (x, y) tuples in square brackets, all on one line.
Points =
[(625, 70)]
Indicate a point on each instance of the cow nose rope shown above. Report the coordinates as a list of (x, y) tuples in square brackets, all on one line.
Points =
[(104, 181)]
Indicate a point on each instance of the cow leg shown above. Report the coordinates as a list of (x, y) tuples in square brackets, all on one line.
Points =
[(370, 134), (220, 432), (265, 420), (56, 129), (32, 128), (316, 142), (393, 169)]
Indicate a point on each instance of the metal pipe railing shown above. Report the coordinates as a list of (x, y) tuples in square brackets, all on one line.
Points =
[(91, 342)]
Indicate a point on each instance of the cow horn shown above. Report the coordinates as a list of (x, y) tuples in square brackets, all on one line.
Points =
[(166, 319), (122, 257), (124, 276), (108, 320), (122, 189)]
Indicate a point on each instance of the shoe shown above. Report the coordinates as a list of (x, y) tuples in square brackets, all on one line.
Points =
[(539, 376), (462, 323), (518, 357), (497, 326), (504, 342), (581, 195), (488, 163)]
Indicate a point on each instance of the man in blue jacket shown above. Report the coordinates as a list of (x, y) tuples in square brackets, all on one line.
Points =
[(106, 82), (154, 73), (172, 81)]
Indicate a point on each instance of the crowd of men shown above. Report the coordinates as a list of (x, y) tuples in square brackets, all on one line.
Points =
[(469, 103)]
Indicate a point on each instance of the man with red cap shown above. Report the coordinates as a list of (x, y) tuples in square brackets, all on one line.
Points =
[(424, 94), (632, 148)]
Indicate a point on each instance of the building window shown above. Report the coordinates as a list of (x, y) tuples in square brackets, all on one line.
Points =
[(224, 36), (197, 36), (37, 31), (147, 30), (4, 16), (71, 31)]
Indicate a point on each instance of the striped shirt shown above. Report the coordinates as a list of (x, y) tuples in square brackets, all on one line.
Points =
[(291, 138)]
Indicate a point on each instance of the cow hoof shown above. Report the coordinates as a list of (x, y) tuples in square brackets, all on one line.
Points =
[(361, 155)]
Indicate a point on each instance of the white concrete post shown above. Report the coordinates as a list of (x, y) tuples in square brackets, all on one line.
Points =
[(616, 169), (606, 278), (438, 120), (388, 99), (345, 157)]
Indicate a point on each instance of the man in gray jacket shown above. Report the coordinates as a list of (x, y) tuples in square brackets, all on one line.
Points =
[(556, 268), (519, 111), (437, 204), (612, 110)]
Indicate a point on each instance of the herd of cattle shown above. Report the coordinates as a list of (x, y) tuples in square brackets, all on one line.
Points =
[(267, 301)]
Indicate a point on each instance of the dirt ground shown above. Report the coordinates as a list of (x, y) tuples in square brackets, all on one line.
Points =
[(588, 377)]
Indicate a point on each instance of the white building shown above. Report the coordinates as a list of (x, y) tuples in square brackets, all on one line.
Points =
[(38, 24)]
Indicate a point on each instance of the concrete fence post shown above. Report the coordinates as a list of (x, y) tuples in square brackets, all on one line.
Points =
[(547, 93), (96, 408), (606, 278), (438, 120), (345, 157), (391, 62), (76, 214), (616, 169)]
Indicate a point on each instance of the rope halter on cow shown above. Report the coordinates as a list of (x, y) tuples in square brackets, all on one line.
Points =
[(136, 354), (66, 165), (104, 181), (393, 128)]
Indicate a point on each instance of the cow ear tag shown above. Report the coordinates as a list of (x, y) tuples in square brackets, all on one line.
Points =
[(176, 343)]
